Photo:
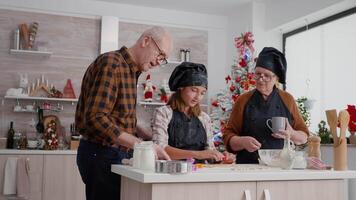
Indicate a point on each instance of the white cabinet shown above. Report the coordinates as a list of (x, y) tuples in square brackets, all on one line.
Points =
[(297, 190), (249, 190), (133, 190), (52, 177), (36, 169), (61, 178)]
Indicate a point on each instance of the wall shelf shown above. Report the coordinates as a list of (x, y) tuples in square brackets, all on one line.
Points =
[(42, 99), (174, 62), (20, 52), (144, 103)]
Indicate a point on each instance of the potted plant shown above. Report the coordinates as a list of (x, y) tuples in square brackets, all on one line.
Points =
[(303, 110), (324, 133)]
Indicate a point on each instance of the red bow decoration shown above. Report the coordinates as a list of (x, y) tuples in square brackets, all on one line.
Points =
[(245, 39), (227, 79)]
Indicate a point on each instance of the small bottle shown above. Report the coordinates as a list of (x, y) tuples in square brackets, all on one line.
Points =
[(16, 44), (187, 55), (314, 146), (10, 136)]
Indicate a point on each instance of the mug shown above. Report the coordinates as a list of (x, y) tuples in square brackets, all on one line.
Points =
[(278, 123)]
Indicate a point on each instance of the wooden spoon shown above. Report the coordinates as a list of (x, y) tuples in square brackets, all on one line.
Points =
[(331, 116), (344, 119)]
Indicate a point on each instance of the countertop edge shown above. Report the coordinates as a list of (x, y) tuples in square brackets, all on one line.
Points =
[(208, 175), (37, 152)]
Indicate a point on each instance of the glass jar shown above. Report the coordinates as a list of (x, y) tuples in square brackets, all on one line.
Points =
[(17, 140), (144, 156)]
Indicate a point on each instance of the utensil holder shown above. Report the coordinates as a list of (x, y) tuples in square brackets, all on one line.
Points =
[(340, 155)]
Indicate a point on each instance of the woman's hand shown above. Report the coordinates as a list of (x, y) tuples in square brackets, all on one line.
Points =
[(298, 137), (209, 154), (283, 134), (244, 142)]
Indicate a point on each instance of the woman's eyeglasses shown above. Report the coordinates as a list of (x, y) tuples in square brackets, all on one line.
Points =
[(265, 77)]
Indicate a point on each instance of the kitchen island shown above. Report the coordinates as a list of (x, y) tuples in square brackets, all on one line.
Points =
[(245, 182)]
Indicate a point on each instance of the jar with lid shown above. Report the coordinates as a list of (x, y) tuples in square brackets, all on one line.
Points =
[(17, 140), (144, 156)]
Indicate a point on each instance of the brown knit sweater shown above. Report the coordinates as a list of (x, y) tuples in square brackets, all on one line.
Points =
[(234, 125)]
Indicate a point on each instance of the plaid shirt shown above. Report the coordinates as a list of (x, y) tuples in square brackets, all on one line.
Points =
[(107, 102)]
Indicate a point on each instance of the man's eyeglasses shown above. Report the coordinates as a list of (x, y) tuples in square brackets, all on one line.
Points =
[(265, 77), (161, 56)]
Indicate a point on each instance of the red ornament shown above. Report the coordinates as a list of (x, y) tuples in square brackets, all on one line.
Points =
[(232, 88), (243, 62), (234, 97), (238, 79), (215, 103)]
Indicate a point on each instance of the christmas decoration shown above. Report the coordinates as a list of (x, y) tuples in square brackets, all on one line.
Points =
[(303, 109), (52, 125), (164, 91), (68, 91), (149, 89), (240, 81)]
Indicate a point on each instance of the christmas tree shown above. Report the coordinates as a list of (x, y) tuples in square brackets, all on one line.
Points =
[(238, 82)]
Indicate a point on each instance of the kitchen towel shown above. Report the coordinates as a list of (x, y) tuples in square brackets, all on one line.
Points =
[(23, 178), (10, 176)]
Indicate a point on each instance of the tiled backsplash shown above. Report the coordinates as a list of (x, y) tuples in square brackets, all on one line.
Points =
[(75, 43)]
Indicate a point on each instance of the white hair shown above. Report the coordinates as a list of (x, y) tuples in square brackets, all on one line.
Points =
[(156, 32)]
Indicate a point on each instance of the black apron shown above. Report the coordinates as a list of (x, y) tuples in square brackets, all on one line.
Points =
[(186, 133), (256, 113)]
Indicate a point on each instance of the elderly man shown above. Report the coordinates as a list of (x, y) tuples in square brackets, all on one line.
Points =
[(106, 110)]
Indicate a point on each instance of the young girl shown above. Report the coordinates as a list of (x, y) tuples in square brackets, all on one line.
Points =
[(181, 127)]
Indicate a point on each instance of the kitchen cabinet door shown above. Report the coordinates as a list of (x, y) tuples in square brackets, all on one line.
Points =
[(297, 190), (61, 180), (206, 191), (35, 174)]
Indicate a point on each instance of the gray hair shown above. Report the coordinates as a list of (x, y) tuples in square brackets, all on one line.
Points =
[(156, 32)]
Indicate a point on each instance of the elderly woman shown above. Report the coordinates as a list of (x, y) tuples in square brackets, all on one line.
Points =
[(246, 131), (180, 127)]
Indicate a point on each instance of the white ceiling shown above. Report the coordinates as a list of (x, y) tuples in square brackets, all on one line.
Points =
[(215, 7)]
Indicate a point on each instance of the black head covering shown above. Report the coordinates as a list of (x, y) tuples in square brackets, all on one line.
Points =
[(273, 60), (188, 74)]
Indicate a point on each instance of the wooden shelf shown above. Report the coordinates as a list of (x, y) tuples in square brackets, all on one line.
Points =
[(20, 52), (144, 103), (174, 62), (42, 99)]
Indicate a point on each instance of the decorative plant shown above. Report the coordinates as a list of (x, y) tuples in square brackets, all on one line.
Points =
[(303, 109), (351, 109), (323, 133)]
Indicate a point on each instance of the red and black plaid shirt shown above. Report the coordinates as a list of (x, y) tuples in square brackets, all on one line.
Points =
[(107, 102)]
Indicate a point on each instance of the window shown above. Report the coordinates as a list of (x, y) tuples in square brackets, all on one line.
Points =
[(322, 64)]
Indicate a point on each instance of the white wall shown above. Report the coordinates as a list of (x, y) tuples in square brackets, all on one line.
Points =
[(215, 25)]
